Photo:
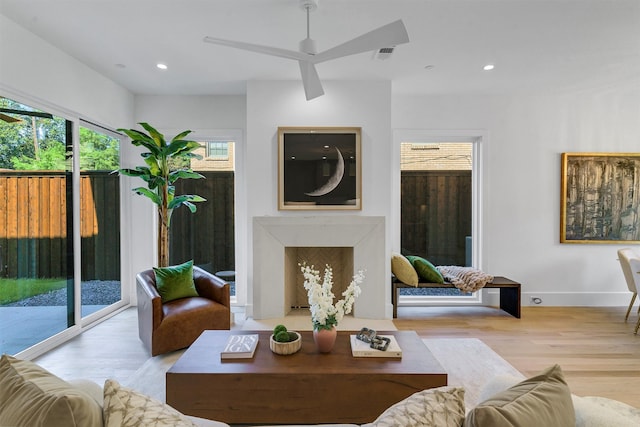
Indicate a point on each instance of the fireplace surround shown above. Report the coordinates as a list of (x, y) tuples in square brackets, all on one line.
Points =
[(273, 235)]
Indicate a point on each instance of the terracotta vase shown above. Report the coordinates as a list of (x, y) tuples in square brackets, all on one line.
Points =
[(325, 339)]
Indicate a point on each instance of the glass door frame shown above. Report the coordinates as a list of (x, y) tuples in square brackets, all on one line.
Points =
[(79, 323), (124, 290)]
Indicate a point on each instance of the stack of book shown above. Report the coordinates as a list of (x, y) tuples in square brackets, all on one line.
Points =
[(363, 349)]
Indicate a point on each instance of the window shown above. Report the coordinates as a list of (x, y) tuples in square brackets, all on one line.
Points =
[(54, 170), (438, 201), (99, 218), (37, 297), (217, 150), (208, 236)]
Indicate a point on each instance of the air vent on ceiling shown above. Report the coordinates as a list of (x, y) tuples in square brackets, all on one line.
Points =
[(383, 53)]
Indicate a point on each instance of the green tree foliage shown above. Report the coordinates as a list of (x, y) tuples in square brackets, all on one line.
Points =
[(51, 157), (98, 151), (35, 143)]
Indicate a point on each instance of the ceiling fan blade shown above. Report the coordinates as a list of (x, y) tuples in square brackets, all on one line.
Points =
[(9, 119), (26, 113), (267, 50), (388, 35), (310, 80)]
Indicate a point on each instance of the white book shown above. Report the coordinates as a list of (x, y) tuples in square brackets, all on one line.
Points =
[(240, 347), (363, 349)]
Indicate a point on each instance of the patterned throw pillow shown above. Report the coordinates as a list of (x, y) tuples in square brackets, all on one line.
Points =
[(403, 270), (175, 282), (124, 407), (437, 407)]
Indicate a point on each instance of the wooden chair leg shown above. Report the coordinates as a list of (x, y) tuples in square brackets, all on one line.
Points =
[(633, 299), (637, 326)]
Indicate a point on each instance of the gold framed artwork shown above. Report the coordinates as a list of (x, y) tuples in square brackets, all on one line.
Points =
[(600, 198), (319, 168)]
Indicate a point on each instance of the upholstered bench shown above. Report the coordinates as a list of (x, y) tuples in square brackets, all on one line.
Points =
[(509, 293)]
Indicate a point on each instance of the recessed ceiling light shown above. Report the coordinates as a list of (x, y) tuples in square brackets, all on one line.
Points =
[(161, 66), (488, 67), (429, 67), (121, 66)]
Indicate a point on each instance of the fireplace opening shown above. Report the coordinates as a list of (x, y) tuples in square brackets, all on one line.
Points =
[(340, 259)]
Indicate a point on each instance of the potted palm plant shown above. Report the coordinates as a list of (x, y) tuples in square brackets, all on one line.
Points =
[(165, 164)]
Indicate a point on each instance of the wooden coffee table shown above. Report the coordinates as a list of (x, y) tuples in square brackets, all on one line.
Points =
[(307, 387)]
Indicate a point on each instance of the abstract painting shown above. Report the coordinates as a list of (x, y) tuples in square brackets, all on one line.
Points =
[(600, 198)]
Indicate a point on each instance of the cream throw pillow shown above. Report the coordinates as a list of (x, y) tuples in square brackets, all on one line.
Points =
[(124, 407), (34, 397), (437, 407), (401, 268), (542, 400)]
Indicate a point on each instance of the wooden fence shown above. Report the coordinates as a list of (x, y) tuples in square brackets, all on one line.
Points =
[(436, 218), (436, 215), (34, 224), (206, 236)]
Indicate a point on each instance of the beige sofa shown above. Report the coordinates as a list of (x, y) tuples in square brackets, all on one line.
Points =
[(31, 396)]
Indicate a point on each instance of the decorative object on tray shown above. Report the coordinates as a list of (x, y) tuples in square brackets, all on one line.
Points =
[(326, 315), (284, 342), (367, 343), (240, 347)]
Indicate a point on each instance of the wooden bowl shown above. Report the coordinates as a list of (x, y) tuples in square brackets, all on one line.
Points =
[(285, 348)]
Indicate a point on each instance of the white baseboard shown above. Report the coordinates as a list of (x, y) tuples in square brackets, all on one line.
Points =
[(564, 299)]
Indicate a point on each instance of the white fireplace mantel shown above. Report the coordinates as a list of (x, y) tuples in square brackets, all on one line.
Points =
[(271, 235)]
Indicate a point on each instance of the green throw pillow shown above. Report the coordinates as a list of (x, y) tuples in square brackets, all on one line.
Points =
[(175, 282), (427, 271)]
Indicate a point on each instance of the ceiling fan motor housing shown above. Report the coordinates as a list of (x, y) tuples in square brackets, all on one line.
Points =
[(309, 5), (308, 46)]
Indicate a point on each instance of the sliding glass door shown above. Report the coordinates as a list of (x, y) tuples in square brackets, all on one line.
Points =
[(36, 223), (99, 154), (60, 259)]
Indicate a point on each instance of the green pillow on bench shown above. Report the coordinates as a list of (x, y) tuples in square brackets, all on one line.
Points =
[(426, 271)]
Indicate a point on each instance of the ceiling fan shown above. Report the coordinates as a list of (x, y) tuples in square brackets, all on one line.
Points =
[(11, 119), (386, 36)]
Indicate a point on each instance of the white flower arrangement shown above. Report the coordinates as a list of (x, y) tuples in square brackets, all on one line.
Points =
[(324, 314)]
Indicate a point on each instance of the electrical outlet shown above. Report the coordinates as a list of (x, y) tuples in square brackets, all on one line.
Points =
[(536, 300)]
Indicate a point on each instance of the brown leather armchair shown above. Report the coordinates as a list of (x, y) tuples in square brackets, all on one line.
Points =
[(176, 324)]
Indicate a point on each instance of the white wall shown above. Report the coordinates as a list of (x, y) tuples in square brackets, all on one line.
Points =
[(272, 104), (521, 194), (33, 67)]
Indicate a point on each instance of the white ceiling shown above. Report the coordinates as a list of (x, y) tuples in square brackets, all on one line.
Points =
[(536, 45)]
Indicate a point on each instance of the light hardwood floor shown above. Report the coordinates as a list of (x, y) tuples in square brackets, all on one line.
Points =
[(596, 349)]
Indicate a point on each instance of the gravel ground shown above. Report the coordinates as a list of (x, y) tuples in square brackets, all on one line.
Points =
[(432, 292), (95, 292)]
